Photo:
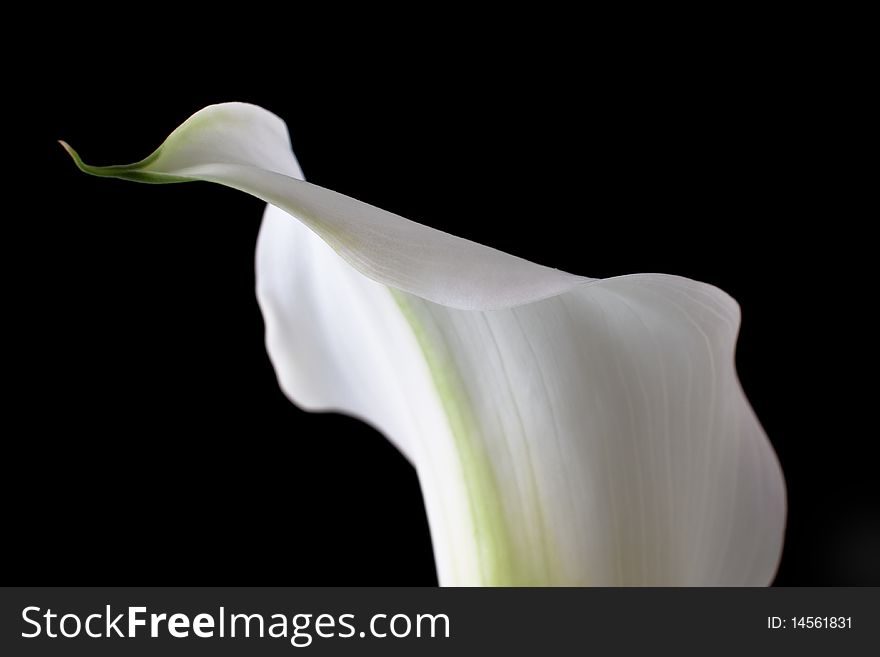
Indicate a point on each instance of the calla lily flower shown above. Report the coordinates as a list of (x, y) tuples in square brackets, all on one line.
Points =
[(565, 430)]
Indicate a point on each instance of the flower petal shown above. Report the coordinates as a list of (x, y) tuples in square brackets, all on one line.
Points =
[(247, 148), (565, 431), (599, 437), (339, 342)]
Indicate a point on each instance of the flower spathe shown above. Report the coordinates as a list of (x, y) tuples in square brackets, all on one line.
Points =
[(565, 430)]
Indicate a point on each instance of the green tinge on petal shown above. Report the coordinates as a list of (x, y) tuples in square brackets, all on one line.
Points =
[(133, 172), (497, 563), (500, 562)]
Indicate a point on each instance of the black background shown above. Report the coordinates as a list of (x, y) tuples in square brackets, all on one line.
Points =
[(149, 441)]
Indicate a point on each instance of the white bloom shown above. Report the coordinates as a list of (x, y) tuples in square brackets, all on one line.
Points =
[(565, 430)]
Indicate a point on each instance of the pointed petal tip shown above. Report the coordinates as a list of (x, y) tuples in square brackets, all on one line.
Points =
[(82, 166), (74, 156), (135, 172)]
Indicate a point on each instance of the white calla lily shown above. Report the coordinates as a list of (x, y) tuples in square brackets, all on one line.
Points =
[(565, 430)]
